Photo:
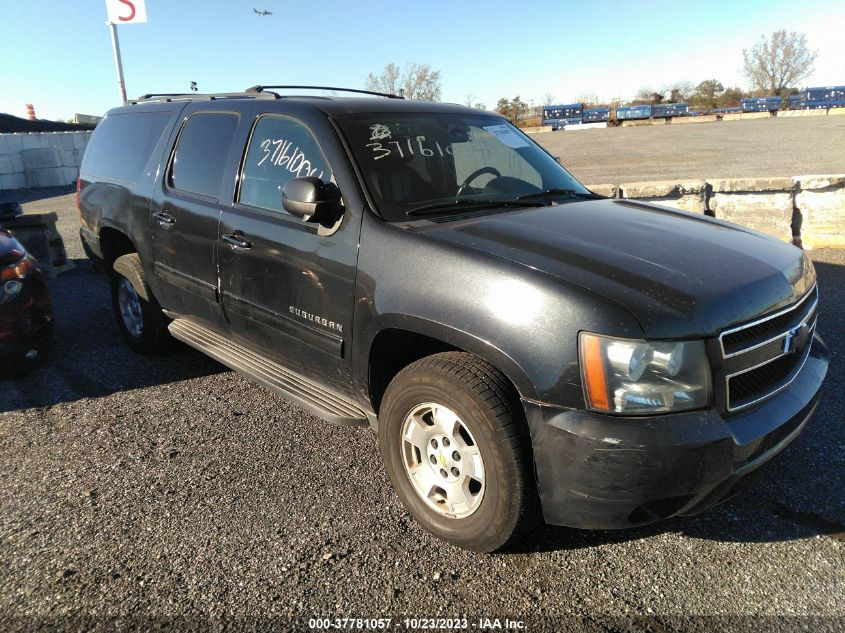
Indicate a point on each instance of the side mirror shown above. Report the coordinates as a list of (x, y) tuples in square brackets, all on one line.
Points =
[(312, 200)]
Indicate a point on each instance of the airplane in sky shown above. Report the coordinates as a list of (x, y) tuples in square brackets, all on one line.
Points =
[(262, 12)]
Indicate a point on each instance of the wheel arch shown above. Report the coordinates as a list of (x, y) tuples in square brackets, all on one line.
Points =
[(113, 244), (396, 346)]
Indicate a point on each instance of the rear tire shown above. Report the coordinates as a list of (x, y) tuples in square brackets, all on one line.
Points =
[(456, 447), (139, 317)]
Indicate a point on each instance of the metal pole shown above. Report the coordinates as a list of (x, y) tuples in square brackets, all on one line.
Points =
[(115, 44)]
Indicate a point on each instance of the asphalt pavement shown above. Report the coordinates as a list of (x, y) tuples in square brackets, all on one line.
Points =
[(171, 493), (757, 148)]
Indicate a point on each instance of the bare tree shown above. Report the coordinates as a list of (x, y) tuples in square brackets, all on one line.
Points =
[(421, 82), (387, 81), (469, 99), (548, 99), (416, 81), (778, 62)]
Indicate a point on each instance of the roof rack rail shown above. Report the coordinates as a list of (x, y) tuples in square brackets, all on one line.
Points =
[(260, 89), (178, 96)]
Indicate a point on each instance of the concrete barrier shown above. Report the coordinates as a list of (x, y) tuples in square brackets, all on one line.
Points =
[(703, 118), (585, 126), (534, 129), (806, 210), (687, 195), (765, 204), (795, 113), (42, 159), (739, 116), (608, 191), (820, 200)]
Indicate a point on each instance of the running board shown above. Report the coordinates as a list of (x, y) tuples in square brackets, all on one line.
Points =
[(317, 399)]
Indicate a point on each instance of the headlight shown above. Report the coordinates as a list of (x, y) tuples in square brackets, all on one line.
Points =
[(638, 377)]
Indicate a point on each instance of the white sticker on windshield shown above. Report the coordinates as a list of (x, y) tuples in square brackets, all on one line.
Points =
[(506, 135)]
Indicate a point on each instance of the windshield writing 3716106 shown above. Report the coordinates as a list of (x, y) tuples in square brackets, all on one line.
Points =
[(408, 147)]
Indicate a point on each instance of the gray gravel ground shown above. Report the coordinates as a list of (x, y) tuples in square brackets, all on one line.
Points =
[(172, 493), (721, 149)]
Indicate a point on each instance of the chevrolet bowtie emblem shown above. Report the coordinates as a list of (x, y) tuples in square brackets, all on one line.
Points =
[(792, 336)]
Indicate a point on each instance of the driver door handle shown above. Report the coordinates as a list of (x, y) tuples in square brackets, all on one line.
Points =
[(164, 219), (237, 242)]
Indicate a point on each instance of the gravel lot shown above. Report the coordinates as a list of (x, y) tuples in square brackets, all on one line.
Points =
[(171, 493), (721, 149)]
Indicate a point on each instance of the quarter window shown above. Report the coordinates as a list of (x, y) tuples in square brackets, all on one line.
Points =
[(122, 144), (201, 153), (280, 149)]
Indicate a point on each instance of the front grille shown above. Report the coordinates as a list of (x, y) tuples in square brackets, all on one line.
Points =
[(764, 356), (754, 384), (736, 340)]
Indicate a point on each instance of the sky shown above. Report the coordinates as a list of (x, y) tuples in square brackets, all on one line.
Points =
[(56, 54)]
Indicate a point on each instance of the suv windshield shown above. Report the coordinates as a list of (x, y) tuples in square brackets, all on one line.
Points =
[(416, 164)]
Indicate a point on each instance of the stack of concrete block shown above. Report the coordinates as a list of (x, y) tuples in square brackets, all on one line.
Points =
[(39, 235), (821, 202), (688, 195), (47, 159), (809, 210), (801, 113), (609, 191), (766, 204), (702, 118)]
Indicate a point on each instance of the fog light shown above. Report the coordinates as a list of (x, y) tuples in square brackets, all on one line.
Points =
[(12, 287)]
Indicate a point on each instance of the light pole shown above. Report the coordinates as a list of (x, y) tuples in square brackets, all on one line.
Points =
[(115, 44)]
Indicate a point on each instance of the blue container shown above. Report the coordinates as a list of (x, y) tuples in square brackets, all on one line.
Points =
[(826, 93), (796, 102), (595, 115), (629, 113), (562, 114), (761, 104), (676, 109)]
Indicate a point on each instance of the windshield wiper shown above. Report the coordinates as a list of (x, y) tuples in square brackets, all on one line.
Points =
[(560, 192), (442, 208)]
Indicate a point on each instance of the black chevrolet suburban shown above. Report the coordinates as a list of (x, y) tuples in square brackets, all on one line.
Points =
[(527, 350)]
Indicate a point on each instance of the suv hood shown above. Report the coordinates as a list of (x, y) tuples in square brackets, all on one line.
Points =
[(681, 274)]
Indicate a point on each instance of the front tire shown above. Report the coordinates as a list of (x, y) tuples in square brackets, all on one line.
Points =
[(139, 317), (456, 447)]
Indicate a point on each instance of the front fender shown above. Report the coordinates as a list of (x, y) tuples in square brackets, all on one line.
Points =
[(522, 321)]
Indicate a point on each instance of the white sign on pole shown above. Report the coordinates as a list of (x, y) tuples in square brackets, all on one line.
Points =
[(126, 11)]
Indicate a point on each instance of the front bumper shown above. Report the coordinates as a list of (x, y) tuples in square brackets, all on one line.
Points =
[(600, 471), (26, 326)]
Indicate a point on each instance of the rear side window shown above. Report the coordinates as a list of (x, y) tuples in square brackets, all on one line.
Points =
[(122, 144), (280, 149), (201, 153)]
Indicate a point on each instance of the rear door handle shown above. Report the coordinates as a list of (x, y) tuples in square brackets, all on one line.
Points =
[(164, 219), (237, 242)]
